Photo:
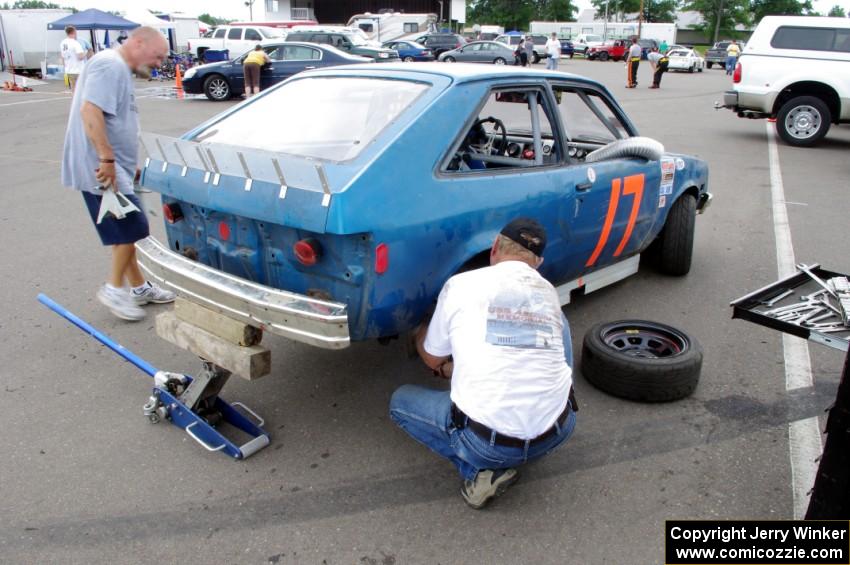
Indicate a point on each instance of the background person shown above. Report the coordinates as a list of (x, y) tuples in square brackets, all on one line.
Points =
[(633, 63), (499, 334), (528, 46), (252, 66), (659, 63), (732, 53), (73, 57), (100, 153), (663, 47), (553, 52)]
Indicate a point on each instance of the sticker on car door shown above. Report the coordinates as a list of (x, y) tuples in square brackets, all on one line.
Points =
[(668, 175)]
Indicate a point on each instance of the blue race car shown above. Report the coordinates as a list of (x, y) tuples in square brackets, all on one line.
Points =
[(225, 80), (334, 206), (410, 51)]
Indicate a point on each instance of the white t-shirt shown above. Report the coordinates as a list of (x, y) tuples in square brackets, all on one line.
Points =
[(553, 48), (71, 51), (635, 50), (503, 326)]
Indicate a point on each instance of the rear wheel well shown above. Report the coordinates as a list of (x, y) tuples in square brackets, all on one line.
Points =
[(810, 88)]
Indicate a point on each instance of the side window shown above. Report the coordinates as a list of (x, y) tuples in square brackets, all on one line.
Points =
[(512, 130), (275, 53), (219, 33), (589, 122), (804, 38), (234, 33), (842, 40), (300, 53), (411, 27), (252, 35), (321, 38)]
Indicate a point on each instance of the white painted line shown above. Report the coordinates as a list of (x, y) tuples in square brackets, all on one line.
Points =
[(68, 98), (804, 437)]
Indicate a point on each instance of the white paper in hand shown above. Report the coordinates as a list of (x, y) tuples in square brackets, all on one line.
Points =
[(116, 204)]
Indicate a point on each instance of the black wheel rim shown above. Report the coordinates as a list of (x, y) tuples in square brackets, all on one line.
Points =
[(644, 340)]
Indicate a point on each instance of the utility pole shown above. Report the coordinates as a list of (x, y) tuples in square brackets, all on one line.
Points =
[(640, 18), (717, 24), (605, 28), (250, 4)]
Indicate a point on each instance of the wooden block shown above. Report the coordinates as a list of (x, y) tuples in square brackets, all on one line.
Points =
[(217, 324), (249, 363)]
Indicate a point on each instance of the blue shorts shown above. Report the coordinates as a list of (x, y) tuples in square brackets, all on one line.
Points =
[(112, 231)]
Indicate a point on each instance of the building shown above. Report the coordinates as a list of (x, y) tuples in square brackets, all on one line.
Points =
[(339, 11)]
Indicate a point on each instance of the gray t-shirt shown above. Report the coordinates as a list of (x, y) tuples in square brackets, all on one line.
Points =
[(635, 50), (654, 56), (529, 47), (106, 82)]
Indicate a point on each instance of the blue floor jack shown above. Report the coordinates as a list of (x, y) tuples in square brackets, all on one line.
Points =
[(189, 403)]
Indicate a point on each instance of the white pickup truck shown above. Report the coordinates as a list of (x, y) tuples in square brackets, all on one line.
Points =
[(795, 69), (236, 39)]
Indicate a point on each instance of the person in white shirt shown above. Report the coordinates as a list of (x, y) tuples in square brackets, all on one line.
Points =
[(553, 52), (633, 62), (499, 334), (73, 57)]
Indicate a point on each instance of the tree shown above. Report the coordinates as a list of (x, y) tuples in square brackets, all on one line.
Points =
[(556, 10), (762, 8), (837, 12), (510, 14), (720, 14), (660, 11), (212, 20)]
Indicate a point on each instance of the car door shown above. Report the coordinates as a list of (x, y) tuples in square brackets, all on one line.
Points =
[(274, 72), (234, 41), (616, 200), (299, 58)]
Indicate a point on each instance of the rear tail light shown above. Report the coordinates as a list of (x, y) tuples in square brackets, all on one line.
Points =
[(223, 231), (307, 251), (382, 258), (736, 77), (172, 212)]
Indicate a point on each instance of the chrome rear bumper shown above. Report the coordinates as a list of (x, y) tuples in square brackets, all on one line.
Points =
[(298, 317)]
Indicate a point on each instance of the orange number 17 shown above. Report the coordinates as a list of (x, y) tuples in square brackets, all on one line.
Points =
[(631, 185)]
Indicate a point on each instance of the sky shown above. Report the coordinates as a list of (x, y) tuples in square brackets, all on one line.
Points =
[(236, 9)]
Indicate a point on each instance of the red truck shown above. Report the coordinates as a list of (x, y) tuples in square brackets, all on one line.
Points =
[(613, 49)]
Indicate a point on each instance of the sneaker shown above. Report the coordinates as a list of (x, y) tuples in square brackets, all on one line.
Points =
[(152, 293), (486, 485), (120, 303)]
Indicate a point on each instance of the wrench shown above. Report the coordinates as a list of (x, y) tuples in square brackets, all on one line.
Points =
[(814, 277), (777, 298)]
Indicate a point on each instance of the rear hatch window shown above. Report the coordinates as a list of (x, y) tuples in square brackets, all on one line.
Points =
[(332, 118)]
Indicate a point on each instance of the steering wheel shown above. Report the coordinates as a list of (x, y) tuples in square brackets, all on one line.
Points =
[(489, 139)]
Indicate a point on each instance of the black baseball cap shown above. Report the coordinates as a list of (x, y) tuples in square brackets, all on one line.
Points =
[(528, 233)]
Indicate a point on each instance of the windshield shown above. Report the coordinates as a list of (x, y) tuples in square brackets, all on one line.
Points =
[(270, 33), (593, 38), (332, 118)]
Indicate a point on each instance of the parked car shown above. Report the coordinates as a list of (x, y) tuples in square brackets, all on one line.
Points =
[(794, 69), (480, 52), (646, 45), (235, 39), (306, 212), (614, 49), (539, 44), (685, 60), (347, 41), (585, 40), (439, 43), (567, 49), (222, 81), (410, 51), (717, 54)]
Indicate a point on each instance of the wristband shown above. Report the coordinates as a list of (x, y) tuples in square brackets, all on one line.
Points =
[(106, 160)]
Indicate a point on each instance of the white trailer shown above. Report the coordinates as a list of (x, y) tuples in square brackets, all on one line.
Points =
[(610, 30), (25, 41), (393, 25)]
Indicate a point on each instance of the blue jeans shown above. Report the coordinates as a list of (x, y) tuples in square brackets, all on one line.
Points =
[(425, 414), (730, 64), (551, 64)]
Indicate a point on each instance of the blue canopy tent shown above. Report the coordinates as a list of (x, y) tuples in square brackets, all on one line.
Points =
[(92, 20)]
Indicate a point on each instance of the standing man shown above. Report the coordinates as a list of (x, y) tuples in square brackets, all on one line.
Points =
[(659, 64), (499, 334), (732, 53), (553, 52), (520, 54), (633, 57), (100, 152), (529, 50), (73, 57), (663, 47)]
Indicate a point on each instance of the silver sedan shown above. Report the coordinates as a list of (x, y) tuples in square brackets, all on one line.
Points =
[(480, 52)]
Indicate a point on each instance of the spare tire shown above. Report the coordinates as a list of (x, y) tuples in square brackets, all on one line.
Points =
[(641, 147), (641, 360)]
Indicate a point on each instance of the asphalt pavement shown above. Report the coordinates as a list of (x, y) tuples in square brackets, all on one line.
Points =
[(85, 479)]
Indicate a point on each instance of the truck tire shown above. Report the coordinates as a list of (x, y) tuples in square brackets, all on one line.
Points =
[(217, 88), (708, 64), (803, 121), (674, 247), (603, 56), (536, 58), (641, 360)]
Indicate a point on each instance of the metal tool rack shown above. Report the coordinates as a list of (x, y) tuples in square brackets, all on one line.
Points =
[(830, 497)]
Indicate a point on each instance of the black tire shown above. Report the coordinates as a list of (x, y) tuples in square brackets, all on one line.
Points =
[(499, 61), (535, 58), (641, 360), (217, 88), (674, 247), (708, 64), (803, 121), (408, 59), (603, 56), (449, 60), (691, 70)]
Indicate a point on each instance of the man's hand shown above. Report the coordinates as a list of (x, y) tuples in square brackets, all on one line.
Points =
[(105, 175), (442, 366)]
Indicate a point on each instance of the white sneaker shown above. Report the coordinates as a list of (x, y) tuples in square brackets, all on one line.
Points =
[(120, 303), (152, 293)]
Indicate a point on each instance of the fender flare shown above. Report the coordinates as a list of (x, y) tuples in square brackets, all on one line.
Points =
[(641, 147)]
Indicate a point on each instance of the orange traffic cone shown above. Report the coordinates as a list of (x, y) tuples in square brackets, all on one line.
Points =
[(178, 81)]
